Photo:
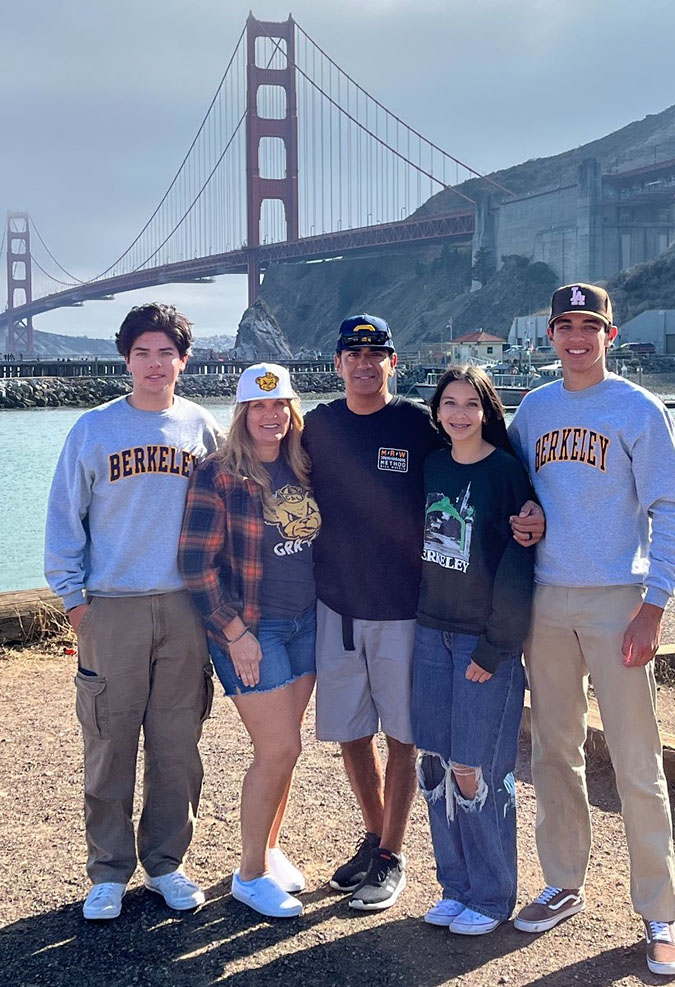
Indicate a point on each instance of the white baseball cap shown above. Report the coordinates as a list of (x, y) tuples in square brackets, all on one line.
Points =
[(264, 380)]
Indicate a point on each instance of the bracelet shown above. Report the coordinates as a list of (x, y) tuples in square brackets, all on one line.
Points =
[(235, 639)]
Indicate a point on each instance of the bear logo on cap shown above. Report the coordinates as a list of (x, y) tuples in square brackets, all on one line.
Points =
[(268, 382)]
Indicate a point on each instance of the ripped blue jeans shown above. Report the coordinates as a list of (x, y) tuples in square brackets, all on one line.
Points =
[(458, 722)]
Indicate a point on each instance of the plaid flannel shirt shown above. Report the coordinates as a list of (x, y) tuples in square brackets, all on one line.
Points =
[(220, 548)]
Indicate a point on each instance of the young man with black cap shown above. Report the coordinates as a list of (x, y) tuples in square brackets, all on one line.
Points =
[(601, 456), (367, 451)]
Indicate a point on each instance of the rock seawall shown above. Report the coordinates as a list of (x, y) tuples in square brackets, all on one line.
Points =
[(87, 392)]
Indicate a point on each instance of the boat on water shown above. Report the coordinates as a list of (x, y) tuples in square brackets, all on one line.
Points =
[(511, 387)]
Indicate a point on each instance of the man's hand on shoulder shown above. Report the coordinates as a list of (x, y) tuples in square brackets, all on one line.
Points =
[(76, 614), (529, 525), (643, 636)]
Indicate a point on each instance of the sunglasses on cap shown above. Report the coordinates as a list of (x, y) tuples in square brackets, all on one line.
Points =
[(375, 337)]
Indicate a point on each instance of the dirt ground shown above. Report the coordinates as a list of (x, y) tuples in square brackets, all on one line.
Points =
[(45, 942)]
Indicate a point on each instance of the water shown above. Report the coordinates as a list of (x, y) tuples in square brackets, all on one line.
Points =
[(30, 443)]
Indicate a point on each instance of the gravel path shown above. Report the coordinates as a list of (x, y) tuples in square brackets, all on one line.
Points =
[(44, 940)]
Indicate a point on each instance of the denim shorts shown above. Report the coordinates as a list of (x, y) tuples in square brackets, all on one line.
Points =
[(287, 645)]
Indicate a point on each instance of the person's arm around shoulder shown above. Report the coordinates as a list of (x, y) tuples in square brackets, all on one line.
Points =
[(529, 525)]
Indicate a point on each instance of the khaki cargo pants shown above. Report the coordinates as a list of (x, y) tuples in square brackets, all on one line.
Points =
[(576, 631), (143, 662)]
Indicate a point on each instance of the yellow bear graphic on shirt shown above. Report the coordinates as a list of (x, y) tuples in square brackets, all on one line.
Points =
[(296, 513)]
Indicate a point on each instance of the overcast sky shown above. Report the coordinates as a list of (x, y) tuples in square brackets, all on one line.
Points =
[(99, 102)]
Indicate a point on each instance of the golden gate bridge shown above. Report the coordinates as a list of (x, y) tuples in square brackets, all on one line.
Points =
[(293, 161)]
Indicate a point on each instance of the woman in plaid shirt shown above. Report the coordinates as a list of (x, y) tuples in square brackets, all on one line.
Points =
[(246, 555)]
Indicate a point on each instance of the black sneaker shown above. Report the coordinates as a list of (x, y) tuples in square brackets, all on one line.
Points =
[(350, 875), (382, 884)]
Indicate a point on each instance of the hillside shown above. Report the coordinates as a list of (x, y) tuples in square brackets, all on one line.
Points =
[(420, 289), (633, 146), (54, 344), (643, 287)]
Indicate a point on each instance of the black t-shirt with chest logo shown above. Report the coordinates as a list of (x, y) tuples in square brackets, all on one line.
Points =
[(368, 479)]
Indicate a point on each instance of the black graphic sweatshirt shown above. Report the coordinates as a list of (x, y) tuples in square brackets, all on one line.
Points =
[(476, 579)]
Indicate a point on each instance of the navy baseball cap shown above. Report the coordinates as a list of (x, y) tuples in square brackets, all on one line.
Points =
[(587, 298), (359, 331)]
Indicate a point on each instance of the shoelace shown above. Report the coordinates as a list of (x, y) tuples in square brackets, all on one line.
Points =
[(361, 846), (385, 865), (181, 882), (659, 931), (547, 894), (100, 891)]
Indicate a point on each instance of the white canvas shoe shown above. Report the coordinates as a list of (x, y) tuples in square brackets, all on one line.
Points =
[(265, 896), (470, 923), (178, 891), (444, 912), (104, 901), (284, 872)]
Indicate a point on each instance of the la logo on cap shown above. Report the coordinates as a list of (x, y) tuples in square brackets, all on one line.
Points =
[(268, 382), (578, 298)]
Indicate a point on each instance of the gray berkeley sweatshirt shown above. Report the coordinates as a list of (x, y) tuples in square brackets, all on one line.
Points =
[(602, 463), (117, 499)]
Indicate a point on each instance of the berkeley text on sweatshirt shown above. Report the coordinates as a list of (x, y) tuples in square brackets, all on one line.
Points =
[(117, 499), (602, 463)]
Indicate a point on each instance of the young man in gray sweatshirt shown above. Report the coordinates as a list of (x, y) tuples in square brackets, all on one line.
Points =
[(111, 544), (601, 456)]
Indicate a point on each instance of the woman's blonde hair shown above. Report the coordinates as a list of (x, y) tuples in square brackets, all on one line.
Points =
[(239, 455)]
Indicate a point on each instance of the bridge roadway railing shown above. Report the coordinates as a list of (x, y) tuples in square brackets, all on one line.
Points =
[(111, 367)]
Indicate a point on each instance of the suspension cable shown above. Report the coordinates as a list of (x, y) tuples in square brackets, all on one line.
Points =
[(35, 230), (176, 176), (457, 161)]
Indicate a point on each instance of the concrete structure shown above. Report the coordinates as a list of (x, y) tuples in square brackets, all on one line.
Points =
[(588, 228), (655, 326), (529, 330), (477, 346)]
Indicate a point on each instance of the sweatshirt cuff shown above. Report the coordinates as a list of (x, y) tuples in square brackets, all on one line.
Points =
[(219, 620), (74, 599), (487, 656), (659, 597)]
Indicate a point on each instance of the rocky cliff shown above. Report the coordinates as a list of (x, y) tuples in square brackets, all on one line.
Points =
[(260, 336), (423, 292)]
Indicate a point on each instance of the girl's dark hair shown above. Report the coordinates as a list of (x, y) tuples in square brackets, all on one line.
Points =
[(154, 318), (494, 426)]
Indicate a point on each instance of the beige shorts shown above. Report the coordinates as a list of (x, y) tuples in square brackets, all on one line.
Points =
[(359, 692)]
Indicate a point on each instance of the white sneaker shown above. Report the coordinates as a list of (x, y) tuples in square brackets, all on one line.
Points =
[(284, 872), (265, 896), (470, 923), (104, 901), (444, 912), (178, 891)]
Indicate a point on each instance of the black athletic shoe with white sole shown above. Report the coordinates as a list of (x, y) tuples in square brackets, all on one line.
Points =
[(348, 876), (382, 884)]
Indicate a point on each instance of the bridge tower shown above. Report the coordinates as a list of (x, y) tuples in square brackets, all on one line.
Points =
[(286, 129), (19, 282)]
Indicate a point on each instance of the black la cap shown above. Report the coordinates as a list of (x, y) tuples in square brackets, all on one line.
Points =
[(587, 298)]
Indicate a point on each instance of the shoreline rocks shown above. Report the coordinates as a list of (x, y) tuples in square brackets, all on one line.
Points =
[(88, 392)]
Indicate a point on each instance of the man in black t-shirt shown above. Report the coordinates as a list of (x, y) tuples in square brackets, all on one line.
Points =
[(367, 451)]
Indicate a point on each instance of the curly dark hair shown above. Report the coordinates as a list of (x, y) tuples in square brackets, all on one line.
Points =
[(154, 317), (494, 426)]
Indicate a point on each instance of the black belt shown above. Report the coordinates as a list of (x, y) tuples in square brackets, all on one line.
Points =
[(348, 633)]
